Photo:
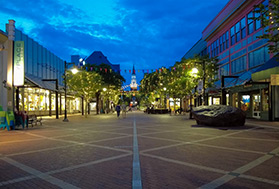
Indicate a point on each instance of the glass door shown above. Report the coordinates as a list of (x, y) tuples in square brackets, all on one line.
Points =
[(257, 106)]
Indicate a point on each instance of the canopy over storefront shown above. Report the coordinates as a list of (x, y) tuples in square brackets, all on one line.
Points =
[(265, 71), (38, 82)]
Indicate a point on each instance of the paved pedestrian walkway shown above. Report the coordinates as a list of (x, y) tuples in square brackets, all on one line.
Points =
[(139, 151)]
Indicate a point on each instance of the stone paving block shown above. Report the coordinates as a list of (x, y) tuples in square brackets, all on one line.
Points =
[(122, 143), (26, 146), (211, 157), (90, 137), (162, 174), (110, 174), (243, 144), (54, 133), (28, 184), (10, 172), (65, 157), (13, 136), (181, 136), (149, 143), (267, 170), (246, 183), (261, 133)]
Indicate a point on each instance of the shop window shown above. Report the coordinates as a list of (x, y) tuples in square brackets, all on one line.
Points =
[(238, 65), (235, 100), (243, 27), (216, 100), (221, 44), (232, 36), (257, 22), (225, 70), (245, 102), (210, 100), (227, 99), (227, 39), (265, 100), (237, 31), (250, 23), (258, 57)]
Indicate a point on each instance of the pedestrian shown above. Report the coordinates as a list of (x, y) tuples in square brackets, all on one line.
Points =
[(124, 110), (118, 108)]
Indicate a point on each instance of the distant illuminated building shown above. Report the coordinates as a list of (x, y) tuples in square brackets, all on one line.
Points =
[(134, 85)]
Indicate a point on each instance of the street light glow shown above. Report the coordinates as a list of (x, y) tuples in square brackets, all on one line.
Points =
[(194, 72), (74, 70)]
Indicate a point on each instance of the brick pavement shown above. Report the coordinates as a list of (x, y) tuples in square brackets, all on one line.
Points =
[(148, 151)]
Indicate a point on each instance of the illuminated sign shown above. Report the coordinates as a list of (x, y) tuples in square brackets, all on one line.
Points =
[(18, 63)]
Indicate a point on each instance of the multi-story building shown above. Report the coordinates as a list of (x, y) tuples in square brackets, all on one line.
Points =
[(96, 58), (232, 37), (34, 67), (6, 57)]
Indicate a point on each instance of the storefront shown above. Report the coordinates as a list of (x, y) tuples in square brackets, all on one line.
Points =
[(253, 99), (38, 97)]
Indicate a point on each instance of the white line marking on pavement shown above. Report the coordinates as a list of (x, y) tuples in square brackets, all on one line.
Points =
[(39, 174), (190, 142), (64, 169), (186, 164), (236, 173), (136, 184)]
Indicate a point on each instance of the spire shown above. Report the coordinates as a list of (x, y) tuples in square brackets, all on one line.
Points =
[(134, 71)]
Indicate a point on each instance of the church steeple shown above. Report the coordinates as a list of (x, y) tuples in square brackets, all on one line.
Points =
[(134, 85), (134, 71)]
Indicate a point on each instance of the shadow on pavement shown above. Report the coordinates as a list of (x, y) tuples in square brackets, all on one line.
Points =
[(246, 127)]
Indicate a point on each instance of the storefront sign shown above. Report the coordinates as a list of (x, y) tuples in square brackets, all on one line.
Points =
[(274, 79), (19, 63)]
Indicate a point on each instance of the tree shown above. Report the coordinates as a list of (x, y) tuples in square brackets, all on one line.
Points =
[(84, 84), (111, 80), (179, 80), (268, 15)]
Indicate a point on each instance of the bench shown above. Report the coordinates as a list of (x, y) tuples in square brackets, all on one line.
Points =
[(33, 119)]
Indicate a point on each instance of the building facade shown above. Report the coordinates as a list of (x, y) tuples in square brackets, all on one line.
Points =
[(41, 69), (96, 58), (232, 37), (6, 53)]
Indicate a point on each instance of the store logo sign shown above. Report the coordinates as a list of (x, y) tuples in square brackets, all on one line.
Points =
[(19, 63)]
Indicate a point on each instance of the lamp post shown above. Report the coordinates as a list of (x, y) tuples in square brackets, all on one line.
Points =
[(165, 100), (194, 72), (74, 71), (203, 81), (105, 109)]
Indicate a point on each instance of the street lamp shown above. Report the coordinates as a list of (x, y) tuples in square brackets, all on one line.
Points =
[(194, 72), (103, 98), (203, 81), (74, 71), (165, 100)]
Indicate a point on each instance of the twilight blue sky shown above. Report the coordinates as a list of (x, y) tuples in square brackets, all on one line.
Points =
[(147, 33)]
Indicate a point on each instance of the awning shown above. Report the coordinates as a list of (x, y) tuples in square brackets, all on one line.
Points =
[(233, 82), (37, 82), (264, 72)]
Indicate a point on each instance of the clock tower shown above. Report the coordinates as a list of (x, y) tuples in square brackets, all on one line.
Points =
[(134, 85)]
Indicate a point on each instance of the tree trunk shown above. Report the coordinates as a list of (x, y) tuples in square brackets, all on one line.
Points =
[(97, 103), (86, 105)]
